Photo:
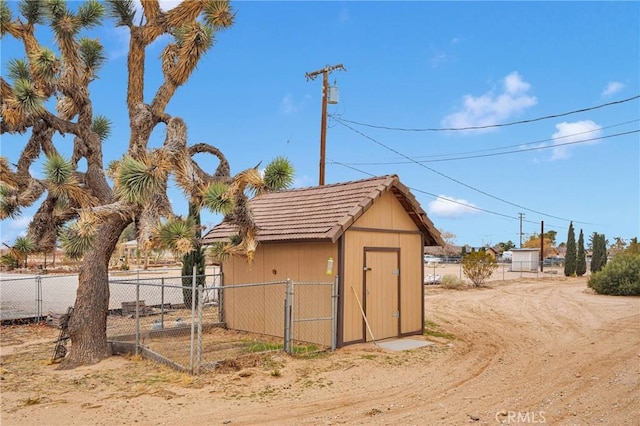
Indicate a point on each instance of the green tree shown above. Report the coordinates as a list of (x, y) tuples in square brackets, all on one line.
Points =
[(634, 246), (195, 258), (478, 266), (581, 258), (23, 247), (506, 246), (621, 277), (599, 252), (49, 93), (534, 242), (570, 261)]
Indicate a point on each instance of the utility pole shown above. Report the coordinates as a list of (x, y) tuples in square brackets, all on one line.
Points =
[(542, 246), (323, 121), (521, 215)]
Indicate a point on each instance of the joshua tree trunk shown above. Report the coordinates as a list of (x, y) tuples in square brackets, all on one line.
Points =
[(88, 324)]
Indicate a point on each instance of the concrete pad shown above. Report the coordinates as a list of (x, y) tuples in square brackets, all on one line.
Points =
[(403, 344)]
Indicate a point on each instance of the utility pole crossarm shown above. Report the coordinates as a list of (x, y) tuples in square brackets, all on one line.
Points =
[(313, 74)]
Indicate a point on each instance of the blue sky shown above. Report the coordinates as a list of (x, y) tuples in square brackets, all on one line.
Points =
[(418, 65)]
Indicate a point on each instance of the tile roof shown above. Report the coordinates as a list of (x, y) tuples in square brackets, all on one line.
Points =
[(324, 212)]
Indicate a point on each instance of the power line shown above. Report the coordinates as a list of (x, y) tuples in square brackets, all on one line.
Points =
[(531, 143), (480, 209), (431, 194), (458, 181), (490, 126), (498, 153)]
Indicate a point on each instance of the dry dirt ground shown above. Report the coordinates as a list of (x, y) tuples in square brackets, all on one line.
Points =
[(544, 351)]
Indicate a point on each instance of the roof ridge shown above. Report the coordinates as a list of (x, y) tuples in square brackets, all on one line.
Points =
[(333, 185)]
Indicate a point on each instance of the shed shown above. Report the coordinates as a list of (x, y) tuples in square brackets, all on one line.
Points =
[(525, 259), (368, 235)]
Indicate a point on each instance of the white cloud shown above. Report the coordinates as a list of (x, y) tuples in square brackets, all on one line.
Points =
[(612, 87), (288, 105), (446, 206), (492, 108), (573, 132)]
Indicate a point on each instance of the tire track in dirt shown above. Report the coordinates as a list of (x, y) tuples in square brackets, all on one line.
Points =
[(524, 347)]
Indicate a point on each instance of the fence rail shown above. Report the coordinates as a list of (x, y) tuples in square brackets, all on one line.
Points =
[(192, 323)]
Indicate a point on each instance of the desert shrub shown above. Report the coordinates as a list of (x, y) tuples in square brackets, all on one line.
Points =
[(478, 266), (9, 261), (620, 277), (453, 282)]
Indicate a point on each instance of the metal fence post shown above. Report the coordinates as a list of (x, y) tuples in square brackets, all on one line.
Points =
[(334, 314), (220, 293), (199, 347), (38, 298), (288, 309), (193, 317), (137, 314), (162, 303)]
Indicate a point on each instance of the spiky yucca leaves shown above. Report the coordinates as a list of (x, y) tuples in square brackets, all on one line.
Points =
[(112, 169), (62, 181), (219, 14), (24, 246), (218, 199), (45, 68), (92, 54), (9, 208), (77, 238), (5, 17), (137, 181), (27, 98), (33, 11), (90, 13), (192, 41), (123, 11), (19, 69), (58, 170), (7, 177), (101, 126), (177, 235), (278, 174)]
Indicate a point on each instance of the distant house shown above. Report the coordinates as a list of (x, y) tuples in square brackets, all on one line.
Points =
[(369, 234)]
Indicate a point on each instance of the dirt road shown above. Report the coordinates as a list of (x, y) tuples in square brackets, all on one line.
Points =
[(518, 352)]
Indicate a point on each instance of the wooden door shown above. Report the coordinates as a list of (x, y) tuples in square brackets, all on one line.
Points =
[(382, 293)]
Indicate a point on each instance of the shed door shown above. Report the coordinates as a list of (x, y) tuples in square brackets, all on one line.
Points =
[(382, 292)]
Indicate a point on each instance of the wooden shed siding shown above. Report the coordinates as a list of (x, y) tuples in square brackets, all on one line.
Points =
[(381, 220), (386, 213), (260, 309)]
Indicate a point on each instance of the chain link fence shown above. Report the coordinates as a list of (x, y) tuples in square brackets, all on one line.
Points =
[(435, 271), (191, 323)]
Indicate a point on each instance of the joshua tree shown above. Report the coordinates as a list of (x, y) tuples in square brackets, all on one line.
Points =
[(79, 204)]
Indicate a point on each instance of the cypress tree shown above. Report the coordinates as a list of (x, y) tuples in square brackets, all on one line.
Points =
[(581, 260), (596, 255), (195, 258), (599, 257), (603, 250), (571, 254)]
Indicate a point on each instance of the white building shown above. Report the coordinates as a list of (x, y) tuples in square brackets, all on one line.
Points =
[(525, 259)]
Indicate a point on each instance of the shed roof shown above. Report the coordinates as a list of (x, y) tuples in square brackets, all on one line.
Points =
[(324, 212)]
